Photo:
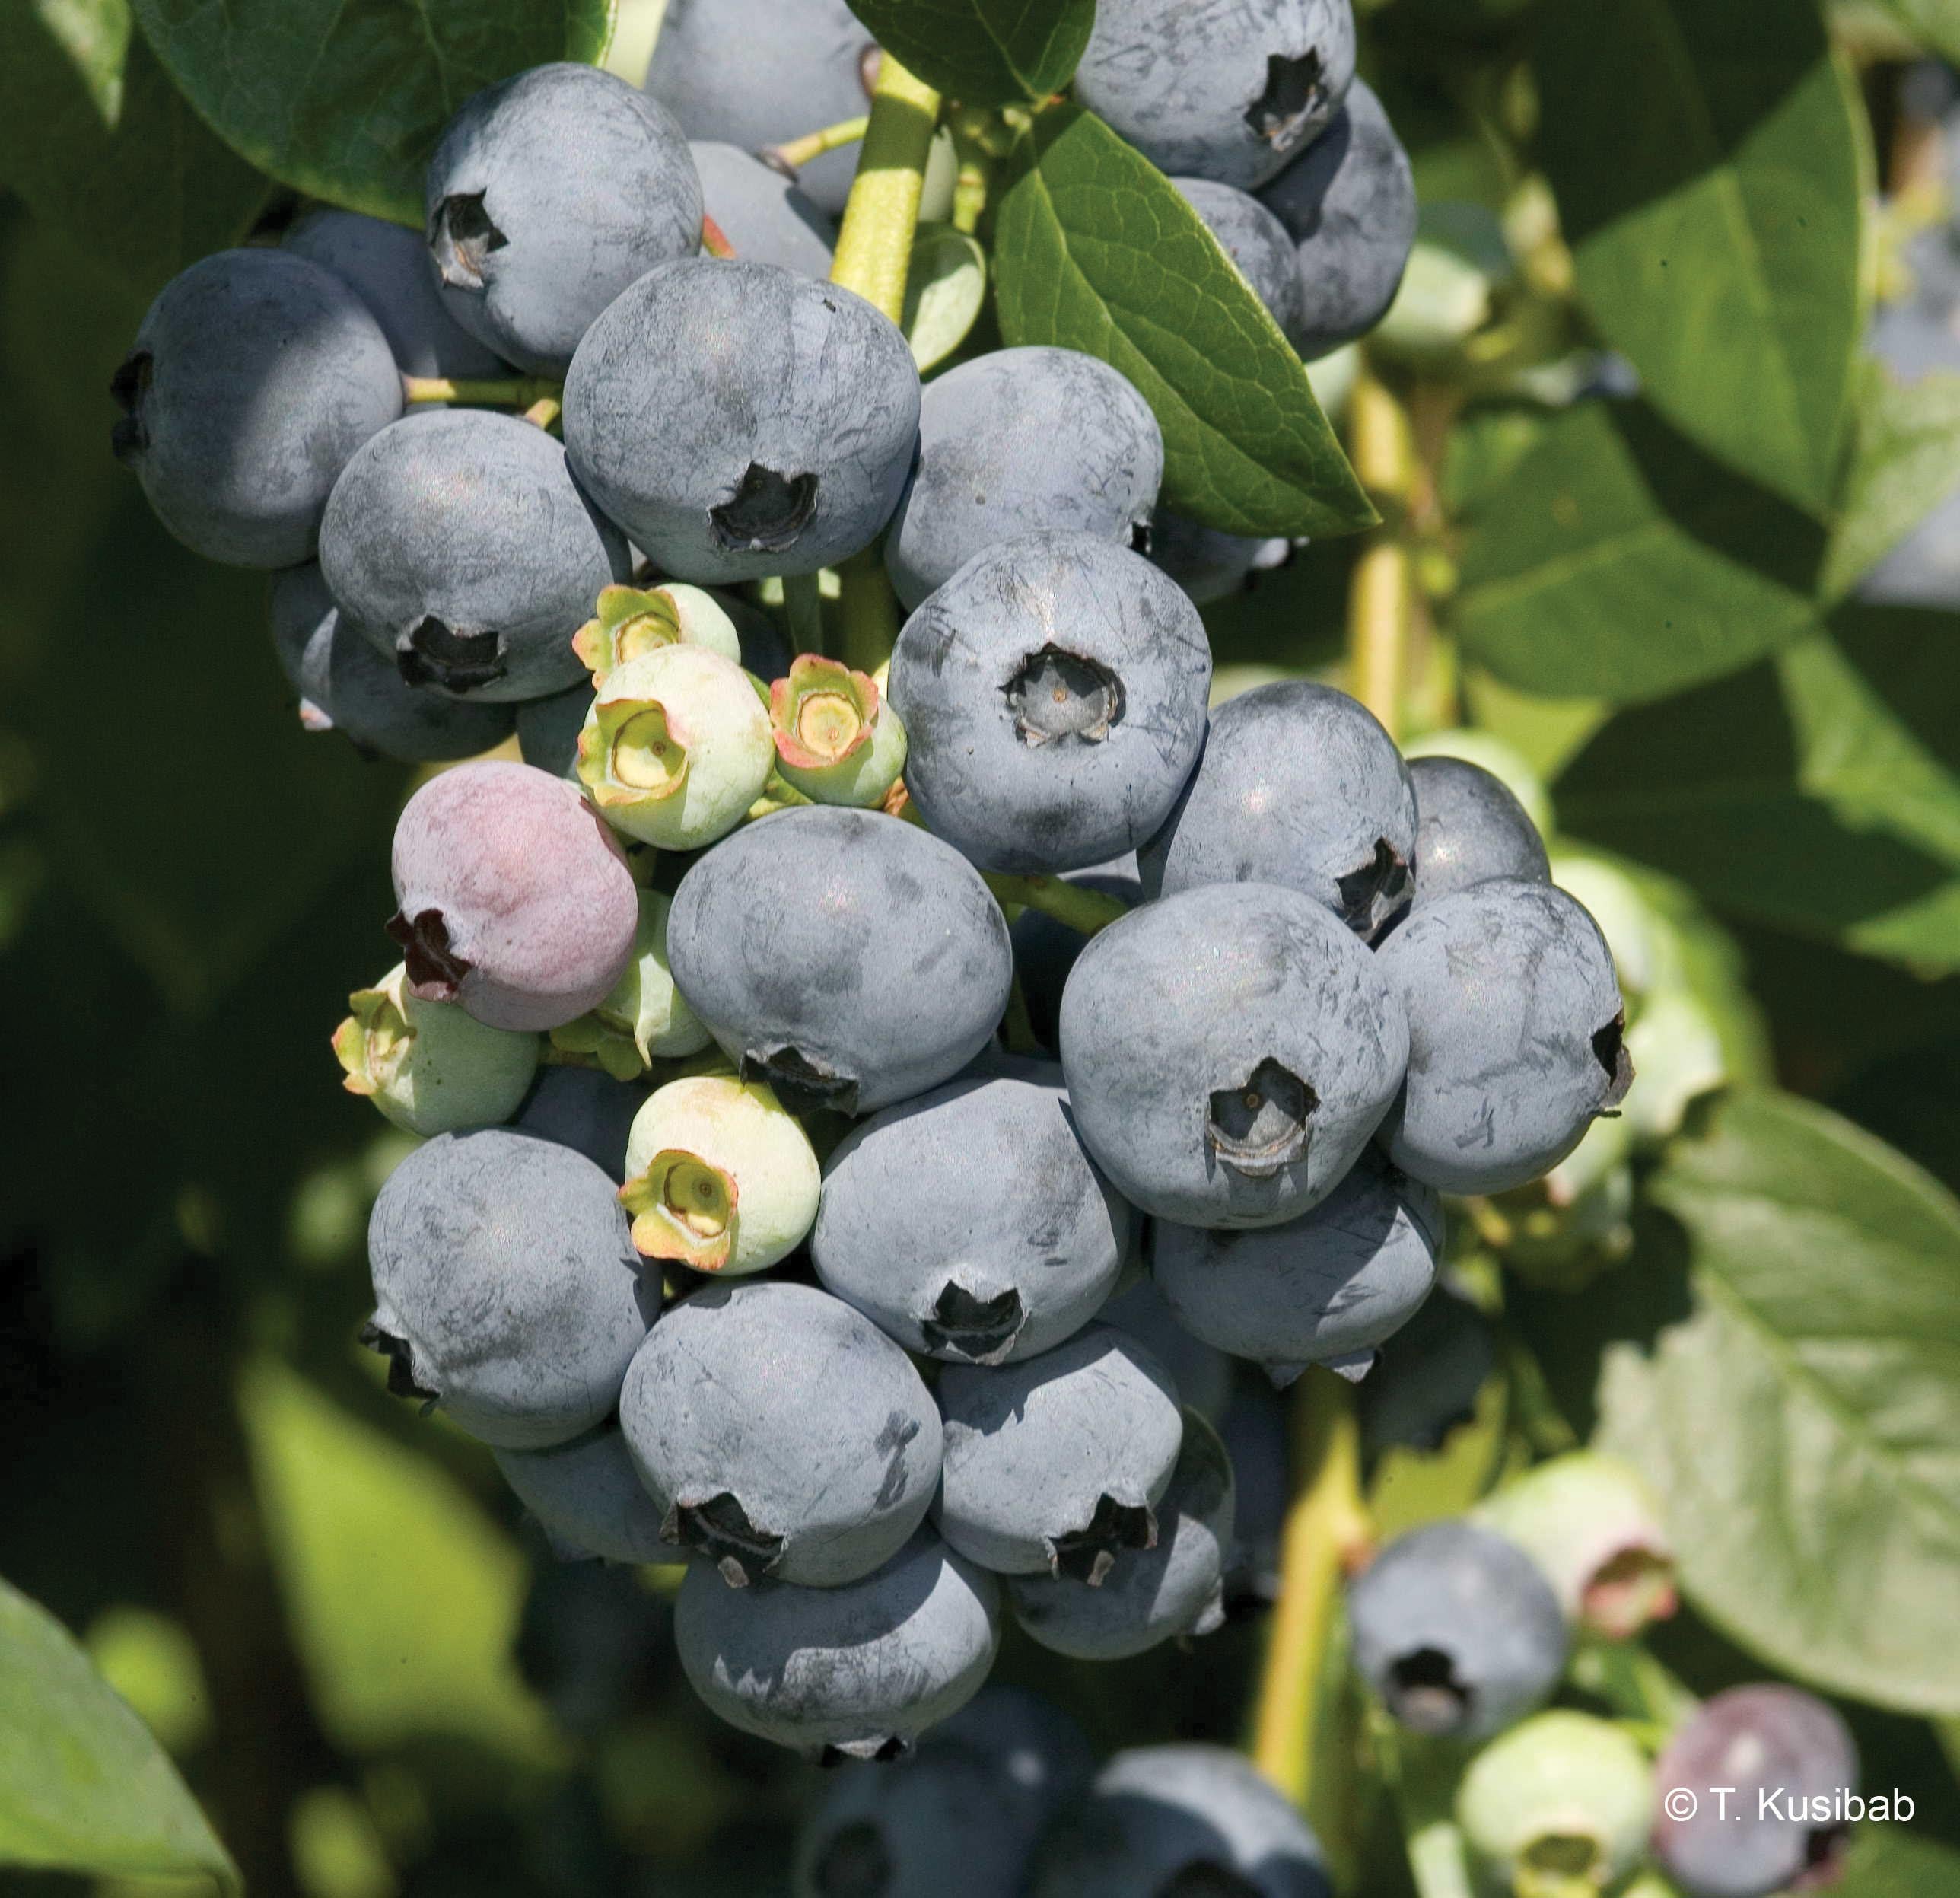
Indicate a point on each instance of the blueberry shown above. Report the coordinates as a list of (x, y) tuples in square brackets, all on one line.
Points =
[(1299, 785), (1202, 1372), (1209, 565), (1230, 1052), (1174, 1588), (1515, 1027), (1228, 94), (856, 1672), (1456, 1630), (1426, 1381), (427, 1065), (1018, 442), (1326, 1288), (515, 900), (766, 218), (632, 622), (1470, 830), (969, 1224), (1258, 244), (1041, 1756), (546, 195), (740, 421), (787, 1436), (1755, 1740), (1254, 1430), (643, 1019), (459, 544), (589, 1501), (1187, 1821), (1053, 694), (1045, 950), (848, 959), (507, 1290), (585, 1109), (1054, 1466), (1349, 204), (386, 266), (838, 740), (548, 730), (255, 377), (352, 689)]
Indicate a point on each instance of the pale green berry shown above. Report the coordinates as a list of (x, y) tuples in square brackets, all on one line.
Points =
[(676, 747), (1502, 761), (719, 1177), (631, 622), (1558, 1807), (1445, 299), (1677, 1050), (430, 1068), (1646, 954), (646, 1018), (838, 740)]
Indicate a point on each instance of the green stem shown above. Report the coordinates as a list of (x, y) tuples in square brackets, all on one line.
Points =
[(1424, 1775), (799, 152), (516, 392), (803, 605), (1084, 910), (868, 611), (1381, 597)]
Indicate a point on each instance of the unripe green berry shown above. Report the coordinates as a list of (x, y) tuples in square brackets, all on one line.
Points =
[(430, 1068), (646, 1018), (631, 622), (1676, 1049), (838, 740), (1646, 957)]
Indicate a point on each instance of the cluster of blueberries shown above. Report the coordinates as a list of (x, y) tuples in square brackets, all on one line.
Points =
[(721, 977)]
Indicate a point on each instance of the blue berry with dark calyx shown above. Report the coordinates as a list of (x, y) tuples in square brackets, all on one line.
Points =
[(1299, 785), (969, 1224), (507, 1290), (1326, 1288), (1516, 1036), (1054, 695), (1023, 441), (1045, 950), (1349, 206), (858, 1672), (386, 266), (589, 1501), (766, 217), (1258, 245), (255, 377), (1456, 1630), (1202, 1372), (547, 194), (459, 542), (1470, 829), (584, 1108), (1229, 1053), (740, 421), (846, 958), (1425, 1383)]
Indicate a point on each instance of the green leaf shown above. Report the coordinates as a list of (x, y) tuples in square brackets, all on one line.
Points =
[(1934, 24), (1888, 1862), (984, 52), (1799, 1421), (83, 1786), (1619, 561), (1095, 250), (1820, 793), (345, 103), (100, 146), (1905, 460), (1708, 163)]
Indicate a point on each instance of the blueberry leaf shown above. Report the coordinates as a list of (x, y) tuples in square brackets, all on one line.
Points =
[(984, 52), (1095, 250), (83, 1786), (1796, 1407), (1934, 24), (1709, 163), (345, 103), (1904, 460)]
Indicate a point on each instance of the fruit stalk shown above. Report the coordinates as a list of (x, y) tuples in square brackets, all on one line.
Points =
[(799, 152), (1085, 910), (513, 392), (1383, 596)]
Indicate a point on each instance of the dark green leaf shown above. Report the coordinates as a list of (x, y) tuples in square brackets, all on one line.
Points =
[(1905, 460), (1619, 561), (1798, 1420), (1095, 250), (83, 1784), (1888, 1862), (100, 145), (1818, 793), (1708, 162), (984, 52), (345, 103)]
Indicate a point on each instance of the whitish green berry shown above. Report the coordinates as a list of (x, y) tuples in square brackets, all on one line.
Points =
[(631, 622), (430, 1068), (1677, 1050), (719, 1177), (676, 747), (645, 1019), (1645, 954), (837, 740)]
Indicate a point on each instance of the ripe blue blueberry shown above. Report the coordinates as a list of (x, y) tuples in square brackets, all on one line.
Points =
[(740, 421), (459, 542), (1202, 1372), (1254, 1430), (1299, 785), (847, 958), (507, 1290), (1426, 1382), (546, 195), (1209, 565), (1349, 205), (1045, 950), (254, 377), (969, 1224), (1515, 1027), (766, 218), (1018, 442), (548, 730), (1326, 1288), (1470, 830), (1054, 1466), (589, 1501), (586, 1109), (1457, 1631), (1229, 1053), (1228, 93), (1152, 1595), (1054, 693), (857, 1672), (1257, 243)]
